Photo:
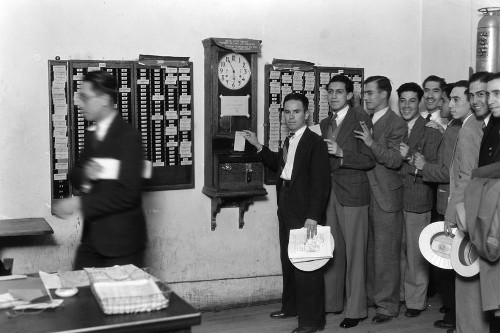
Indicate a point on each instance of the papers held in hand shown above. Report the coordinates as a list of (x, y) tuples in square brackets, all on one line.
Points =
[(110, 168), (309, 255)]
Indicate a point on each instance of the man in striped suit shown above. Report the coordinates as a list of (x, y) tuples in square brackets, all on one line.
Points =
[(418, 198)]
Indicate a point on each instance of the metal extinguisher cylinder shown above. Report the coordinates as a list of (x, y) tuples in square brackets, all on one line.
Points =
[(488, 40)]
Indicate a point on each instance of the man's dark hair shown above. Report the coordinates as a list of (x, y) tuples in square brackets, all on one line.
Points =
[(411, 86), (297, 97), (349, 86), (103, 83), (448, 88), (479, 76), (493, 76), (463, 84), (435, 78), (383, 83)]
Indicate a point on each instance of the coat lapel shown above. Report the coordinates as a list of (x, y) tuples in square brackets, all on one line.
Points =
[(347, 126), (381, 124), (417, 132), (300, 153)]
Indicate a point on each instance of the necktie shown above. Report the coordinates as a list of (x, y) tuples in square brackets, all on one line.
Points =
[(286, 145), (484, 125), (428, 117), (333, 126)]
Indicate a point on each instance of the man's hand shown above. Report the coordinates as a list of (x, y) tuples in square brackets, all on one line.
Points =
[(92, 169), (311, 227), (251, 137), (448, 225), (433, 124), (419, 161), (333, 148), (365, 134), (404, 149), (64, 208)]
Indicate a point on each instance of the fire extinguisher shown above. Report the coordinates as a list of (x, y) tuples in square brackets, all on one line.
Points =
[(488, 40)]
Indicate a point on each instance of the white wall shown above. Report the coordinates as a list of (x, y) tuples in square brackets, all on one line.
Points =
[(210, 268)]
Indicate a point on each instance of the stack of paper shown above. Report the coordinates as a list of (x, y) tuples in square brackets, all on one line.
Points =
[(310, 254)]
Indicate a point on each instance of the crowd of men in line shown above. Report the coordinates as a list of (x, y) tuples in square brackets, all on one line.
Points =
[(378, 179)]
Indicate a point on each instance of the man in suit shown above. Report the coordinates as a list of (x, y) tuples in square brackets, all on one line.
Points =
[(489, 153), (347, 210), (114, 227), (418, 198), (386, 199), (439, 173), (433, 94), (302, 189), (469, 315)]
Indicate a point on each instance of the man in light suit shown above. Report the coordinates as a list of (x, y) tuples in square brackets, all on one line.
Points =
[(303, 189), (347, 210), (114, 227), (418, 198), (469, 315), (386, 199), (439, 173)]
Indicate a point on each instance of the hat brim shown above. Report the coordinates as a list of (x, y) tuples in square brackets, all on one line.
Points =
[(435, 245), (312, 265), (464, 257)]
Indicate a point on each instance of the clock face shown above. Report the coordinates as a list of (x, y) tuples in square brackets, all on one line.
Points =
[(234, 71)]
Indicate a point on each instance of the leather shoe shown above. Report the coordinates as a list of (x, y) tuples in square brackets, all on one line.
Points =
[(281, 315), (443, 324), (444, 309), (350, 322), (412, 313), (307, 329), (451, 330), (381, 318)]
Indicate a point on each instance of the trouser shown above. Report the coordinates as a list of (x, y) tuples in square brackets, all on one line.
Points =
[(383, 258), (303, 292), (349, 227), (469, 313), (414, 267)]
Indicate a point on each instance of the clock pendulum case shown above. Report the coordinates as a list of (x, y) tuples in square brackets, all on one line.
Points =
[(232, 178)]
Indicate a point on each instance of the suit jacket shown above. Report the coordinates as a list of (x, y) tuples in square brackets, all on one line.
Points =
[(114, 222), (439, 172), (350, 181), (418, 197), (385, 181), (310, 181), (491, 134), (465, 158)]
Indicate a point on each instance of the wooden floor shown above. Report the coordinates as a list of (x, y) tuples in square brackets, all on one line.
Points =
[(255, 319)]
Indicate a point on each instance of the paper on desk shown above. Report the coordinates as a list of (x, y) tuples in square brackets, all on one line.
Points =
[(74, 279), (40, 306), (319, 247), (239, 141), (110, 168), (316, 129), (8, 301), (50, 281)]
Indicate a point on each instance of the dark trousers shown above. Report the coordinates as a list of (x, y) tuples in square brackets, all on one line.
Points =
[(87, 256), (303, 292), (383, 258)]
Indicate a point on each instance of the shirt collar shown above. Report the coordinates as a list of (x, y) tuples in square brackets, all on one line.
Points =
[(487, 119), (299, 132), (411, 123), (465, 120), (379, 114)]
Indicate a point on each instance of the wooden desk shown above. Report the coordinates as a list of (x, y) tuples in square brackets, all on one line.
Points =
[(81, 313), (21, 227), (25, 227)]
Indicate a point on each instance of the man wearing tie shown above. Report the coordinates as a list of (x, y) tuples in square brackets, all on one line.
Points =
[(418, 198), (302, 191), (433, 93), (114, 226), (469, 315), (347, 210), (386, 199)]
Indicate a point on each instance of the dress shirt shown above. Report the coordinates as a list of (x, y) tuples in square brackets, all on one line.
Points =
[(379, 114), (101, 127), (341, 115), (294, 142), (486, 120), (436, 117), (410, 124)]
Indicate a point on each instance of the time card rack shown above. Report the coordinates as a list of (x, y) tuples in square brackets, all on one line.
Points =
[(286, 76), (154, 95)]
